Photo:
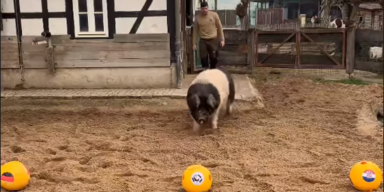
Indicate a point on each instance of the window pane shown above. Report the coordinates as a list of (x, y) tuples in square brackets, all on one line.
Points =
[(82, 5), (83, 22), (99, 22), (98, 5)]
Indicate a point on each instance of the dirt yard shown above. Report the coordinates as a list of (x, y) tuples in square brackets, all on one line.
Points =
[(305, 139)]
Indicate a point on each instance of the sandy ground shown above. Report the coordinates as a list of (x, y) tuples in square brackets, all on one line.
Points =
[(305, 139)]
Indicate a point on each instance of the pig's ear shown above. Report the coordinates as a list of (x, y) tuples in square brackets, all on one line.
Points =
[(196, 100), (211, 101)]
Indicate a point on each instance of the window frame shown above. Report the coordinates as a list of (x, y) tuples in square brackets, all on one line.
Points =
[(92, 33)]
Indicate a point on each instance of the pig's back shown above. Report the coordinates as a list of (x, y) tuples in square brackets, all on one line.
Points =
[(215, 77)]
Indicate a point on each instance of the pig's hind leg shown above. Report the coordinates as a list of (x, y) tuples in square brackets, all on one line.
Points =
[(228, 108)]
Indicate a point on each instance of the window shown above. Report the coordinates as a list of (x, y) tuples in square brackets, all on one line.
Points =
[(91, 19)]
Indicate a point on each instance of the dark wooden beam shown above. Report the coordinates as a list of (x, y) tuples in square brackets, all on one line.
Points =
[(111, 18), (140, 18), (171, 22), (70, 19), (44, 8)]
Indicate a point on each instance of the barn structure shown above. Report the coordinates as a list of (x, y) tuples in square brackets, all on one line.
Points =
[(95, 44), (370, 16)]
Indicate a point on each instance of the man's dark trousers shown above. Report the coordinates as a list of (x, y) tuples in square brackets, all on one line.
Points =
[(208, 49)]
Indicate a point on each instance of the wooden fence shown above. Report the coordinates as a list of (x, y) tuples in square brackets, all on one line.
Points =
[(9, 52), (238, 50), (365, 39), (134, 50), (304, 48), (126, 61), (272, 16), (320, 48)]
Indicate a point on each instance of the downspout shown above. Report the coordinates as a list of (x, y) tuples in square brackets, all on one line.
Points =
[(179, 70), (216, 5)]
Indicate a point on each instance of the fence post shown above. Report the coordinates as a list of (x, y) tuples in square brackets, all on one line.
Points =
[(298, 48), (251, 49), (256, 43), (350, 60)]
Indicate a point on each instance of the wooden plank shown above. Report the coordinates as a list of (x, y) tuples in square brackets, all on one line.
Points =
[(79, 47), (58, 39), (28, 39), (233, 60), (324, 51), (34, 64), (89, 55), (9, 52), (235, 35), (276, 59), (300, 67), (287, 32), (9, 55), (274, 38), (322, 30), (325, 37), (371, 66), (5, 47), (235, 41), (29, 47), (290, 48), (114, 46), (10, 64), (161, 62), (368, 35), (9, 39), (274, 50), (135, 38), (34, 57), (318, 60), (82, 41)]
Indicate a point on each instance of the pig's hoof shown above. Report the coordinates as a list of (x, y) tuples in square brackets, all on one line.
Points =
[(216, 131), (196, 126)]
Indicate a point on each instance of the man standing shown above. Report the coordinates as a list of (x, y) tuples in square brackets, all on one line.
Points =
[(208, 27)]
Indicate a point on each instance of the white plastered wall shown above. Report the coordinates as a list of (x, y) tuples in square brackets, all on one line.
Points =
[(149, 24)]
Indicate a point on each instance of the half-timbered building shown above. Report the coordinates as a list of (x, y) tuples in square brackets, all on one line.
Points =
[(95, 43)]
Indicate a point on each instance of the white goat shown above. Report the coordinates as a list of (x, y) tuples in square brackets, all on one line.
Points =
[(376, 53), (337, 23)]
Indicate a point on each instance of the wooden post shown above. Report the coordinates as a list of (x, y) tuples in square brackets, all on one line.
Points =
[(256, 43), (251, 49), (350, 59), (179, 67), (298, 49)]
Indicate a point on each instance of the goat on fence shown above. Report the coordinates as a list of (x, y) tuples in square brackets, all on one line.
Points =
[(337, 23)]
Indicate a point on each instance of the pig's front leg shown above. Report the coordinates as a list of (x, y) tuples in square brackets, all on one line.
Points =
[(215, 117), (196, 126)]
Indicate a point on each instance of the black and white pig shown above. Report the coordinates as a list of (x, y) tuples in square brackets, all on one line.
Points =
[(211, 91)]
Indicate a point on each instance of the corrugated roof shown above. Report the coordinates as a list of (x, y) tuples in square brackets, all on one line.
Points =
[(370, 6)]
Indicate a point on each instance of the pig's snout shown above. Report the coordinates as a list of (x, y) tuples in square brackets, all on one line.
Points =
[(201, 121)]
